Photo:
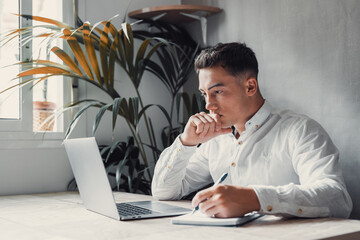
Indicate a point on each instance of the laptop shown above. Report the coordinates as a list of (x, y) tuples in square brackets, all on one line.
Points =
[(95, 190)]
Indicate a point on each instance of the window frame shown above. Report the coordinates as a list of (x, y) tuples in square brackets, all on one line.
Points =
[(18, 133)]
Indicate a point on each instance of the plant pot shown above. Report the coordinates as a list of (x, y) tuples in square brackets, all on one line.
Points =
[(41, 111)]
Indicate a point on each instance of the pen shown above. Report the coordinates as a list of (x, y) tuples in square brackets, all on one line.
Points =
[(220, 180)]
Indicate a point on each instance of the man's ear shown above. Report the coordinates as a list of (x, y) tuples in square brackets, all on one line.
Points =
[(251, 86)]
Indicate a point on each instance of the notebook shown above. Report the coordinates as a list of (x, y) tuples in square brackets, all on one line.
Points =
[(199, 218), (95, 190)]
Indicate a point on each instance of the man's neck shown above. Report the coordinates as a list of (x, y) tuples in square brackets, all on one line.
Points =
[(258, 103)]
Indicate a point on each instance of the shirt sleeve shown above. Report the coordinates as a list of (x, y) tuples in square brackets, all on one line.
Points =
[(321, 192), (179, 171)]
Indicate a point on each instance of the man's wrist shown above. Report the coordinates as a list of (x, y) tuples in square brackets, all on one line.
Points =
[(184, 143), (255, 200)]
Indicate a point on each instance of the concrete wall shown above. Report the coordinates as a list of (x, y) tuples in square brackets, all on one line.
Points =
[(309, 60)]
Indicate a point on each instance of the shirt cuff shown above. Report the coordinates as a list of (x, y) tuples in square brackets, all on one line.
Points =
[(180, 154), (268, 200), (275, 200)]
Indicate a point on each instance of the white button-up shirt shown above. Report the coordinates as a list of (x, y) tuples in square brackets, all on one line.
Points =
[(288, 159)]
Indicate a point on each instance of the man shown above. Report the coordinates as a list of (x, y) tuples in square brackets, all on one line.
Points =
[(278, 162)]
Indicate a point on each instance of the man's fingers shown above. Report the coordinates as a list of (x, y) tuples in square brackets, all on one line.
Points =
[(202, 196), (212, 211), (203, 119), (198, 124), (207, 117), (205, 130), (204, 123)]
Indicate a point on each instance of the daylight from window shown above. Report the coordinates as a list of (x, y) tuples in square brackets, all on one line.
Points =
[(47, 95), (9, 101)]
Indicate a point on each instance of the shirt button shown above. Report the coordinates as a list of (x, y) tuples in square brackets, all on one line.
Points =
[(256, 126), (169, 167), (269, 208), (233, 164), (179, 150), (240, 142), (300, 211)]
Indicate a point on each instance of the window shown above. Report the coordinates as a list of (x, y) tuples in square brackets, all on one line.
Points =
[(9, 101), (49, 93), (21, 110)]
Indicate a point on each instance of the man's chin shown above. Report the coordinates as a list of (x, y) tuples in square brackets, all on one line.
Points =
[(226, 124)]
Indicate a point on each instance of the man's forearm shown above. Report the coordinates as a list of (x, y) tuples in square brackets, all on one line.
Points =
[(170, 170), (325, 198)]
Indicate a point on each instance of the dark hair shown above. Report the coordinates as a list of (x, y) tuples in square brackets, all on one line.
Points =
[(235, 58)]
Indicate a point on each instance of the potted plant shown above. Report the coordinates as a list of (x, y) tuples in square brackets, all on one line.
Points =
[(43, 112)]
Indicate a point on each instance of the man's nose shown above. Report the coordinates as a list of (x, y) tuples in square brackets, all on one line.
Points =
[(210, 104)]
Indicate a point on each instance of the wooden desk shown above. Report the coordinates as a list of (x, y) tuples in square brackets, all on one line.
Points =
[(62, 216)]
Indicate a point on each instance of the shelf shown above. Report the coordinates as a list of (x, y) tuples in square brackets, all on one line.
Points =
[(174, 13)]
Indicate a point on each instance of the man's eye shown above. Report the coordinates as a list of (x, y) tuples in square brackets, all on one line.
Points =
[(218, 91)]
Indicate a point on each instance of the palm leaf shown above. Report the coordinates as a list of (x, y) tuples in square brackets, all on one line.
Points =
[(112, 56), (129, 47), (90, 49), (134, 107), (187, 103), (45, 20), (153, 136), (42, 70), (79, 54), (77, 116), (163, 110), (67, 60), (122, 164), (115, 110), (104, 39), (99, 116), (112, 29)]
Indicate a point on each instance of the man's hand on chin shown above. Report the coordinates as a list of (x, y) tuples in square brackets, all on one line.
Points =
[(202, 127), (225, 201)]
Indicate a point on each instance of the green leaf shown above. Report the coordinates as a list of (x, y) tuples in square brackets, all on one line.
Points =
[(77, 116), (187, 103), (129, 47), (104, 40), (163, 110), (112, 56), (116, 109), (122, 164), (134, 108), (99, 116)]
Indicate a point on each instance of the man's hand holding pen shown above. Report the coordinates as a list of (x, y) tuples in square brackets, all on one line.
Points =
[(225, 201)]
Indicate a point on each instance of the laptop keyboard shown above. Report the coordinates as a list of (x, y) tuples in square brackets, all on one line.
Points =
[(125, 209)]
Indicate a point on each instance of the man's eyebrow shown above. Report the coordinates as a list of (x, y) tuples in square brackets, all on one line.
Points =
[(215, 85)]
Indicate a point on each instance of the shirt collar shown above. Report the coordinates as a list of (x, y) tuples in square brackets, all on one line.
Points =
[(260, 116), (258, 119)]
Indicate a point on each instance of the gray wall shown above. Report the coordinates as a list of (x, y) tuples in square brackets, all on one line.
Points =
[(32, 170), (309, 61)]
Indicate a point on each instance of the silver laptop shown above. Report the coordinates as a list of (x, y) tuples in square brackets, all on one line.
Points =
[(95, 190)]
